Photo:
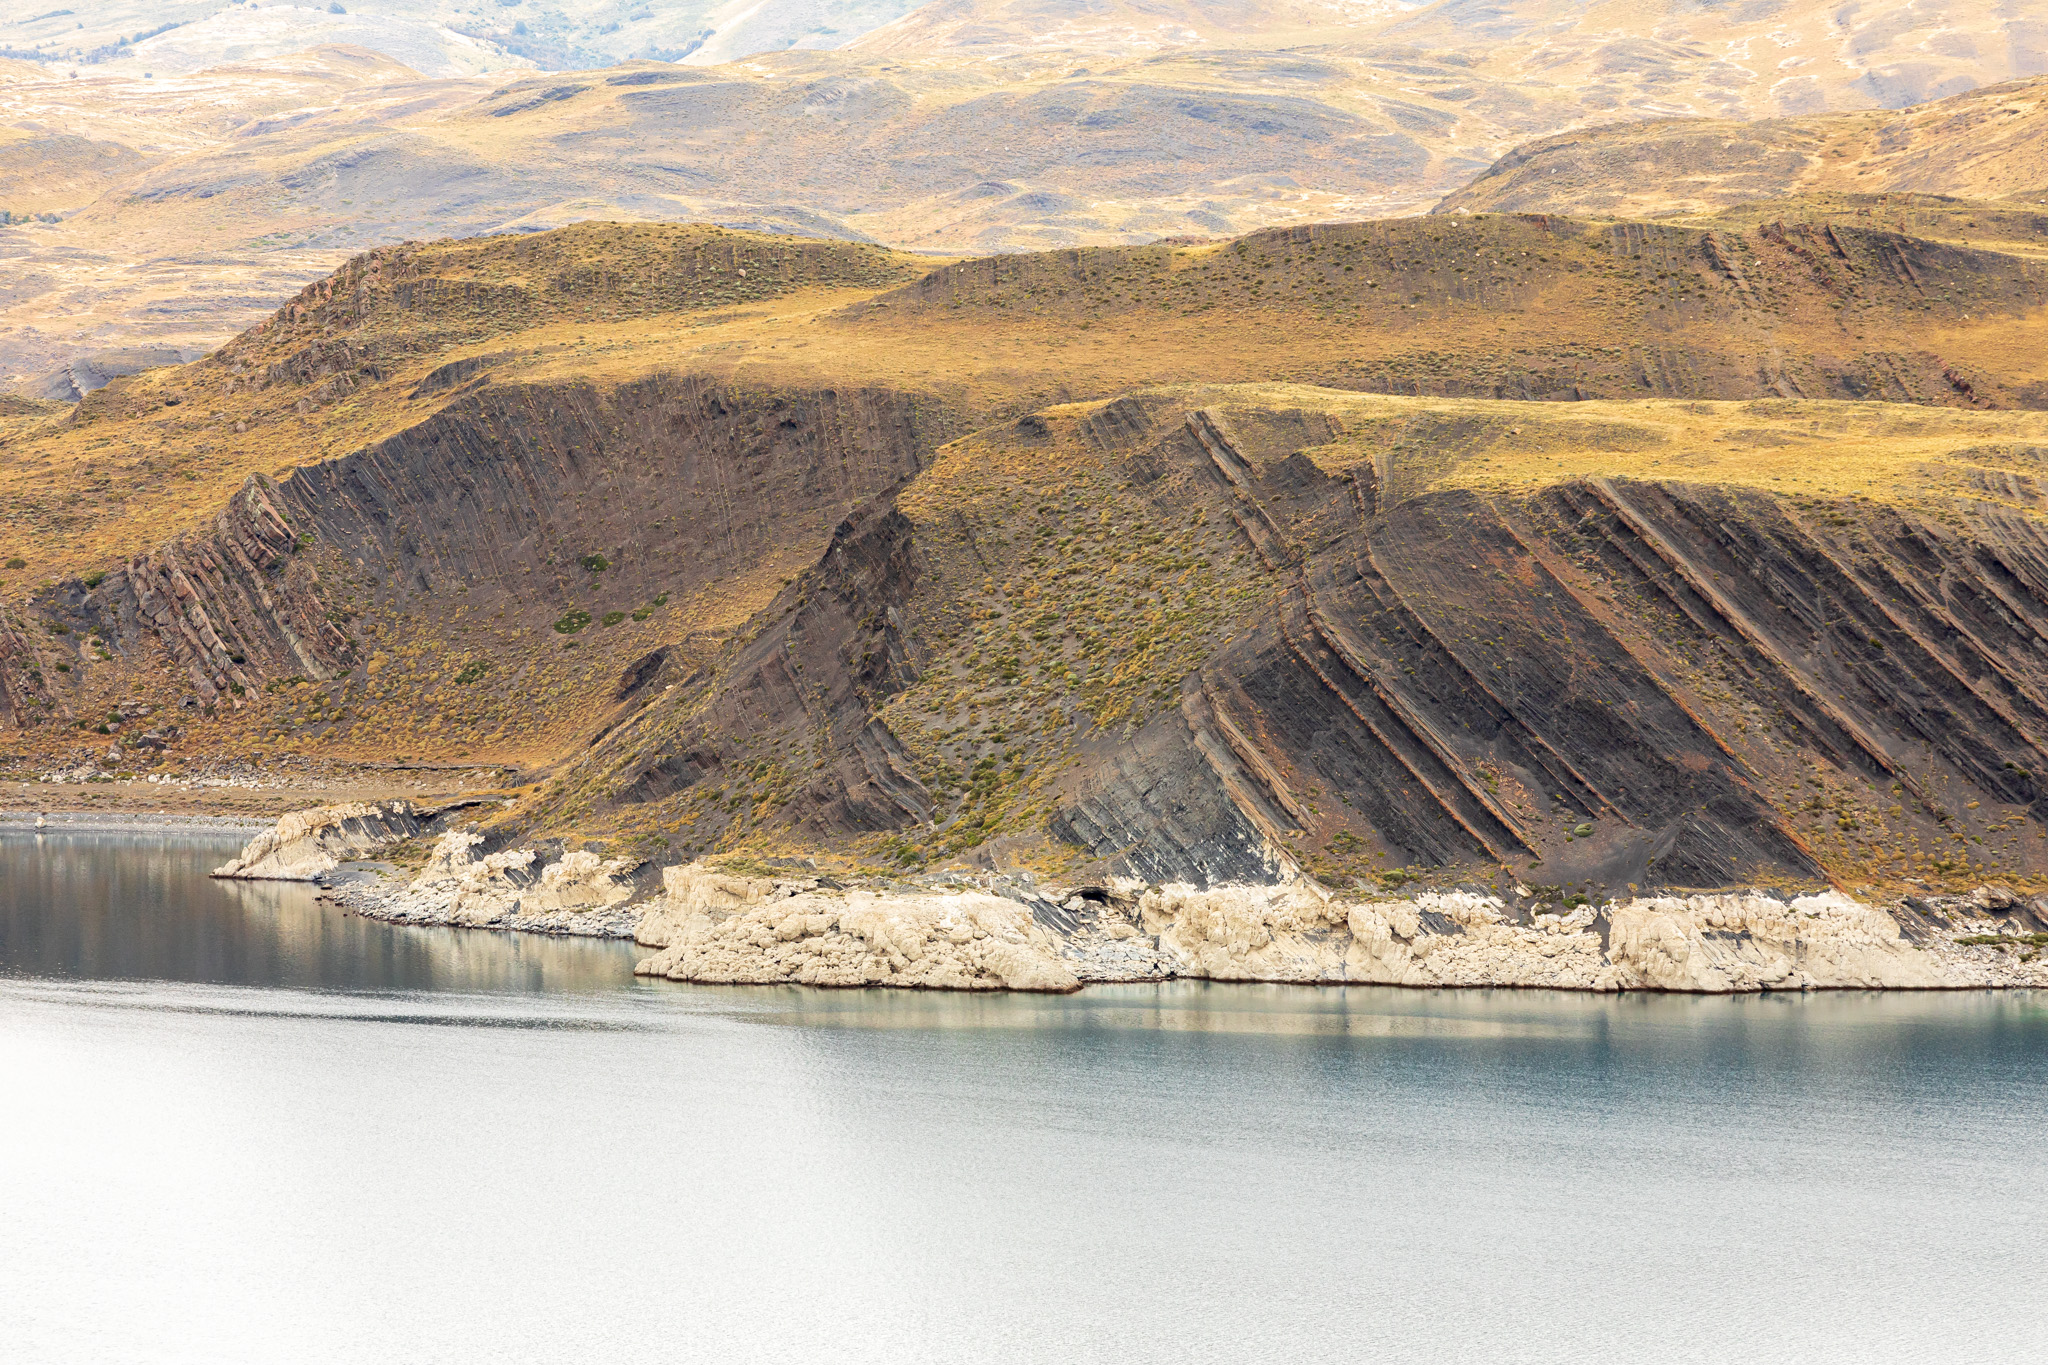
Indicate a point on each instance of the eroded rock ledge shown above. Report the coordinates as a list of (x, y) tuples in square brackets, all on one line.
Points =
[(998, 933), (716, 928), (577, 893), (711, 927)]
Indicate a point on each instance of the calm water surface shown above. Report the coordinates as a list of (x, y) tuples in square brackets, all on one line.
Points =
[(238, 1126)]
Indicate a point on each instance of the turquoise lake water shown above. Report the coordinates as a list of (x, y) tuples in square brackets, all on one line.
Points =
[(241, 1126)]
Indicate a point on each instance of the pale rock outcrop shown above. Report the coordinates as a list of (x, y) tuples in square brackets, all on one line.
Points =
[(304, 844), (1705, 943), (1295, 932), (485, 889), (1247, 933), (693, 890), (1473, 943), (1005, 934), (711, 927), (1748, 942), (579, 893)]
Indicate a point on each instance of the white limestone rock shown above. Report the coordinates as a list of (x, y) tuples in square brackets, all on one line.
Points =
[(1748, 942), (715, 927), (1706, 943), (487, 890), (711, 927), (303, 844)]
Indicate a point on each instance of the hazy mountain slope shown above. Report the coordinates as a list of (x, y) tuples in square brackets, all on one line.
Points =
[(1000, 27), (964, 128), (1658, 57), (1988, 144), (145, 253), (932, 158), (437, 37), (1771, 57)]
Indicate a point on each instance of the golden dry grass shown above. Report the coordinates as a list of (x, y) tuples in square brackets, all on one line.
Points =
[(129, 469)]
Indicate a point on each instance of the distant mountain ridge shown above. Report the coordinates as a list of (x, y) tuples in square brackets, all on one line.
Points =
[(187, 203)]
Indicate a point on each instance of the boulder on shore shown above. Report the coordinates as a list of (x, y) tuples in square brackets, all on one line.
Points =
[(303, 844)]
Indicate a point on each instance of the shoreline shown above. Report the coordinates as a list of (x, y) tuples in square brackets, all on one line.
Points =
[(359, 896), (127, 822), (1003, 932)]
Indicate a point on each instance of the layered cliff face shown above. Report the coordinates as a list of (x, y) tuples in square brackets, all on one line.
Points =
[(840, 558), (506, 571), (1230, 635)]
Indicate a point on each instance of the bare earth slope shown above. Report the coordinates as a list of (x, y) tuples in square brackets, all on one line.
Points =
[(1178, 562)]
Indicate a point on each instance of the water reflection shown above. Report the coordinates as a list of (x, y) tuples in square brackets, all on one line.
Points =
[(106, 906)]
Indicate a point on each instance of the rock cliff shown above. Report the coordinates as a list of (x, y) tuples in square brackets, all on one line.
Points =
[(1225, 643)]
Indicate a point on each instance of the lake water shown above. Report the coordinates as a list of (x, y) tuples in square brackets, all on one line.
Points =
[(239, 1126)]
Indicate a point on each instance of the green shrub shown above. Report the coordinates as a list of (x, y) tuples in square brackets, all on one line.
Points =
[(94, 579), (612, 618), (595, 563), (573, 622), (473, 670), (17, 563)]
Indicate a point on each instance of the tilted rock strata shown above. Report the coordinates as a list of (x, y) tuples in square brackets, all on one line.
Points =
[(304, 844), (230, 605), (715, 928)]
